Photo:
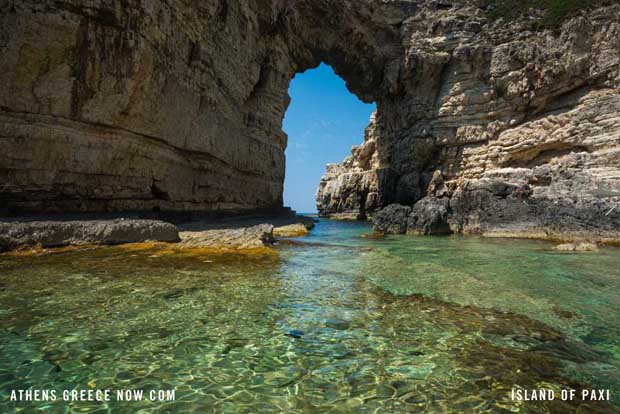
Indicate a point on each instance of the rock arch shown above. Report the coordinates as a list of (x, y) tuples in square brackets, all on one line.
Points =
[(102, 104)]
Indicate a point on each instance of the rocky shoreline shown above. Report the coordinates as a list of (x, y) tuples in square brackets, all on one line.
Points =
[(498, 129), (242, 233), (492, 208), (215, 233), (509, 124)]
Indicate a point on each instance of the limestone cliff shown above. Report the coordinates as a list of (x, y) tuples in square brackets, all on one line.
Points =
[(500, 127), (138, 105), (133, 105)]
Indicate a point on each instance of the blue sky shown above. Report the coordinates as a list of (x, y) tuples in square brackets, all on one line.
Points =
[(323, 121)]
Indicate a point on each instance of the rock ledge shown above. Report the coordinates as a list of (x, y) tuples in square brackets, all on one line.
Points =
[(82, 232)]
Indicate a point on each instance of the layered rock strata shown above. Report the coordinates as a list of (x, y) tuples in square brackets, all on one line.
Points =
[(178, 106), (497, 129), (139, 105), (79, 232)]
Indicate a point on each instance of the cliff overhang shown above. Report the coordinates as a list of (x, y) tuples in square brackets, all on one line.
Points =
[(116, 106)]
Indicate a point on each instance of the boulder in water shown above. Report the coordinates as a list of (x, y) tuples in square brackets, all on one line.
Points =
[(392, 219), (429, 216)]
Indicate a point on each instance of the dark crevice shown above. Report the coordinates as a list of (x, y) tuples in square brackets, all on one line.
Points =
[(158, 193), (262, 81), (362, 196), (81, 91), (222, 12)]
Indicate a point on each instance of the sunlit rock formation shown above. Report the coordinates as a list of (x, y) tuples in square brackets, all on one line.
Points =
[(500, 127), (115, 106)]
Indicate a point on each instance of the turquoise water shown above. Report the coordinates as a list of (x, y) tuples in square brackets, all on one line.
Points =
[(335, 323)]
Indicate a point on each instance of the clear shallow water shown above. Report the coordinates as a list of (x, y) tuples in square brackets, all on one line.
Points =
[(336, 324)]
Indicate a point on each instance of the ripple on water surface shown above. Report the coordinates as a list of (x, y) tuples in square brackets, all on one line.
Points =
[(334, 324)]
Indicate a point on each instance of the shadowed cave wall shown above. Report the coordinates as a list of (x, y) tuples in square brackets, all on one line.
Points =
[(111, 105), (134, 105)]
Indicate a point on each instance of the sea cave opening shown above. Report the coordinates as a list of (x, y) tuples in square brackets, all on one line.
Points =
[(323, 121)]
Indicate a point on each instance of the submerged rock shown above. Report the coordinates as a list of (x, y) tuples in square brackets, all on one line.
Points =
[(339, 324), (576, 247), (295, 333), (373, 236), (571, 350), (392, 219)]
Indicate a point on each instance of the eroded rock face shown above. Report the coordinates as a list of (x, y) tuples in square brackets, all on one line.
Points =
[(109, 105), (506, 130), (80, 232), (392, 219), (429, 217), (179, 105)]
